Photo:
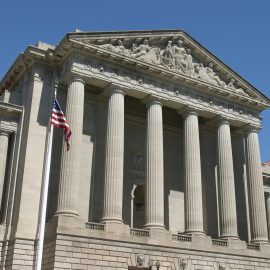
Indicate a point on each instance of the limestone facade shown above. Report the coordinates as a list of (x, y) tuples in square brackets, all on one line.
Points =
[(164, 166)]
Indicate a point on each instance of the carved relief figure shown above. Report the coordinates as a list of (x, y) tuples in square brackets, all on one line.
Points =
[(189, 67), (179, 53), (120, 48), (207, 74), (167, 57), (141, 50), (213, 75), (233, 88), (174, 56)]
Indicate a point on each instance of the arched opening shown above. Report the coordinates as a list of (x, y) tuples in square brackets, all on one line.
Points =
[(138, 207)]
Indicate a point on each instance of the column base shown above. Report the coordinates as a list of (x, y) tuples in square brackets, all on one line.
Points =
[(106, 220), (116, 227), (156, 226), (67, 213), (159, 235), (265, 247), (236, 243), (260, 241), (202, 240), (229, 237), (194, 232)]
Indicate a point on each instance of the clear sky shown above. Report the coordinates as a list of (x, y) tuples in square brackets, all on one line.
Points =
[(236, 31)]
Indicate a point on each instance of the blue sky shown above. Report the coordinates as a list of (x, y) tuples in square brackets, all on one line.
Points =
[(236, 31)]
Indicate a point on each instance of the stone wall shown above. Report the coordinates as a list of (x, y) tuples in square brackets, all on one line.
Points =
[(96, 254)]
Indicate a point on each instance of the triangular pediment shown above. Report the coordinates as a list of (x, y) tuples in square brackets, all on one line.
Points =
[(172, 50)]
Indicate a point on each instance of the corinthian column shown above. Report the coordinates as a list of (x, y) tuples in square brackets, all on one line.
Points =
[(113, 189), (267, 202), (192, 174), (154, 166), (255, 188), (227, 203), (71, 160), (3, 159)]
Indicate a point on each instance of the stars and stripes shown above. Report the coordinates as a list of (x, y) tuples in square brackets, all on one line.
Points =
[(58, 119)]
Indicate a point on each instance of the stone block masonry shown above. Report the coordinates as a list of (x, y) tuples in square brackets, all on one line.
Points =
[(71, 252)]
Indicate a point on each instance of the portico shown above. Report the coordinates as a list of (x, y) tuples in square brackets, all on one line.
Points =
[(221, 125), (164, 151)]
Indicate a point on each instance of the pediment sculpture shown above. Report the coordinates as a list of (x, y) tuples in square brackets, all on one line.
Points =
[(175, 57)]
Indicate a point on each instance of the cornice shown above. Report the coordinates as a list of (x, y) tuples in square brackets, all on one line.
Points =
[(174, 95), (71, 43), (9, 108), (94, 47)]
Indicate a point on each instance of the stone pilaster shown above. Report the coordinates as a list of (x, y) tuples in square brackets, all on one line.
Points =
[(192, 174), (267, 203), (154, 166), (113, 189), (70, 163), (4, 138), (226, 186), (258, 223)]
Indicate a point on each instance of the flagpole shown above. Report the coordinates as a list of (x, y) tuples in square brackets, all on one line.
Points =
[(44, 200), (42, 221)]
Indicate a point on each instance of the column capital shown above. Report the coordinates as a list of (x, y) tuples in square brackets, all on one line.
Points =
[(251, 128), (4, 132), (221, 120), (151, 100), (188, 110), (114, 88), (77, 78)]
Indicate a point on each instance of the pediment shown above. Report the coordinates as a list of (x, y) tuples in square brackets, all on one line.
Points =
[(172, 50)]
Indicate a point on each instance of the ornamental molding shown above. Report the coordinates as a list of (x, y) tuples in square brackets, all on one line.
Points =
[(8, 126), (170, 91), (168, 54), (176, 57)]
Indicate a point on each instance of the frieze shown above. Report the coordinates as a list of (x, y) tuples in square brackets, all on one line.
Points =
[(175, 56), (178, 92)]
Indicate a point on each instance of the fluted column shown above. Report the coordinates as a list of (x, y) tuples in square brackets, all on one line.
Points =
[(192, 174), (113, 189), (154, 166), (71, 160), (258, 223), (267, 203), (227, 202), (4, 136)]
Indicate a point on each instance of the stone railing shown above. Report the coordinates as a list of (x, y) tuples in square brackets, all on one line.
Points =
[(182, 237), (253, 246), (218, 242), (95, 226), (139, 232)]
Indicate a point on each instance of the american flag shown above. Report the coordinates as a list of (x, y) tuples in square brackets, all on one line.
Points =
[(58, 119)]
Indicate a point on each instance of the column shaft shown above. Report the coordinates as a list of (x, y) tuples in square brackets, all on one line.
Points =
[(192, 173), (113, 189), (267, 202), (70, 163), (154, 166), (255, 188), (227, 202), (3, 159)]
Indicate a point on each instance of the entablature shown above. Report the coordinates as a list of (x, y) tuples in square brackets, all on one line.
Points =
[(173, 93)]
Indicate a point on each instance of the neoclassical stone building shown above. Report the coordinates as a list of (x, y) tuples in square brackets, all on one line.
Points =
[(164, 166)]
